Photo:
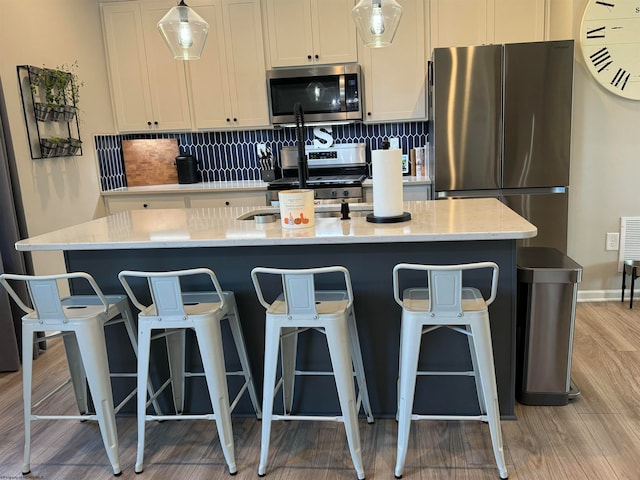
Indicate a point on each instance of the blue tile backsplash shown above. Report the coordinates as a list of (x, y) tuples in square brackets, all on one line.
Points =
[(232, 155)]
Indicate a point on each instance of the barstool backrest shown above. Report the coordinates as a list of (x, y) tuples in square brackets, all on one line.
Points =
[(165, 289), (298, 287), (45, 295), (445, 284)]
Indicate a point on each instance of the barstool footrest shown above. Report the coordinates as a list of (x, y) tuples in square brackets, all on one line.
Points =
[(481, 418), (319, 418)]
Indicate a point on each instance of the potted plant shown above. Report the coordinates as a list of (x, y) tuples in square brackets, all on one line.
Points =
[(61, 90)]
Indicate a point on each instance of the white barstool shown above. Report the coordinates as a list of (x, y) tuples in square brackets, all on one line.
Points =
[(297, 308), (80, 321), (173, 311), (445, 303)]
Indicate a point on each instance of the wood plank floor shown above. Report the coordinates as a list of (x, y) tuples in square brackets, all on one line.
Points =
[(595, 437)]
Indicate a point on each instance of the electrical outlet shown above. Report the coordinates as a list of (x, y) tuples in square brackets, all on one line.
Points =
[(261, 149), (394, 142), (613, 240)]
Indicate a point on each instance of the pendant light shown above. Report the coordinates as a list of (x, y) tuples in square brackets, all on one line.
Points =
[(377, 21), (184, 31)]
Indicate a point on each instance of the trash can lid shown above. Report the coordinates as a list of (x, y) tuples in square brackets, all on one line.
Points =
[(546, 265)]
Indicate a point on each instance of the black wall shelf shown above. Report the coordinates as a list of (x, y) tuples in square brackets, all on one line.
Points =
[(52, 127)]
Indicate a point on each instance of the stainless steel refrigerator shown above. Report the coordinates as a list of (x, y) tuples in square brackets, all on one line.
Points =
[(501, 127)]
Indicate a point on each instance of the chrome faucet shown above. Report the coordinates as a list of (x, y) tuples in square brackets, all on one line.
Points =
[(303, 166)]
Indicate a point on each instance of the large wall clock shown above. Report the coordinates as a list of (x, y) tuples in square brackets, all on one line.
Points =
[(610, 41)]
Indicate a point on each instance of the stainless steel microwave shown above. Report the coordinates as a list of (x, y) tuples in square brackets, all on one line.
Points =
[(328, 94)]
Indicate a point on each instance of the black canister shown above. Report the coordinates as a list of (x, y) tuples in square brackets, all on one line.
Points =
[(187, 167)]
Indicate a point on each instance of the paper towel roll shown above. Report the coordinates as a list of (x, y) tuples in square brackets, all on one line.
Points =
[(387, 182)]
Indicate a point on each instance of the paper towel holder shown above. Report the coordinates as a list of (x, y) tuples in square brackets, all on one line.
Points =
[(406, 216)]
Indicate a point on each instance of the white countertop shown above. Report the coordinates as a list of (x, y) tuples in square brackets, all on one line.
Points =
[(433, 220)]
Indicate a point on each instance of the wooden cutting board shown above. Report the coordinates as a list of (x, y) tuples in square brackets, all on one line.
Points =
[(150, 162)]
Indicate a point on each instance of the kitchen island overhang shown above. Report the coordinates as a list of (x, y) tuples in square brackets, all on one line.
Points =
[(440, 232)]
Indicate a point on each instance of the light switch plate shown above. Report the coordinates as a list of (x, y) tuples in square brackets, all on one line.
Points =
[(394, 142)]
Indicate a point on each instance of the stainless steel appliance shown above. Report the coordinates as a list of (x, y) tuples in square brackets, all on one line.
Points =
[(501, 118), (327, 94), (335, 173)]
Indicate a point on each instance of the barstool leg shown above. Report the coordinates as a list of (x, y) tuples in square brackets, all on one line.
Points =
[(482, 336), (76, 369), (288, 355), (176, 341), (93, 349), (624, 282), (476, 372), (210, 342), (238, 339), (410, 350), (127, 318), (144, 347), (358, 365), (633, 286), (271, 347), (27, 374), (338, 342)]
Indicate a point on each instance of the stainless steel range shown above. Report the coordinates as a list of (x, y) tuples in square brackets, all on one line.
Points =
[(335, 173)]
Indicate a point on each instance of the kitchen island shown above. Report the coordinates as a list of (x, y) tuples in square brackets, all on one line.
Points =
[(442, 232)]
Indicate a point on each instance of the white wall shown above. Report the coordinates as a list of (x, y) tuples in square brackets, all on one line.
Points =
[(57, 192), (605, 165), (61, 192)]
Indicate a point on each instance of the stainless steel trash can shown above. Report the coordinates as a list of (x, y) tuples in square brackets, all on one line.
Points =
[(547, 290)]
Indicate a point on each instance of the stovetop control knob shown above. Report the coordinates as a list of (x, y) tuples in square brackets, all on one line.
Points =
[(345, 193), (334, 193)]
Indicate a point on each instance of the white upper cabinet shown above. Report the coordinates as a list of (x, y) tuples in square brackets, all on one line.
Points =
[(310, 32), (395, 76), (228, 83), (457, 23), (148, 87), (513, 21)]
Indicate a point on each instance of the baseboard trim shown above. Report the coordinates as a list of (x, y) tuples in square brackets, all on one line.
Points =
[(600, 295)]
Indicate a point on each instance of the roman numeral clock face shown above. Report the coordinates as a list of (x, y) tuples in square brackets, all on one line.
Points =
[(610, 39)]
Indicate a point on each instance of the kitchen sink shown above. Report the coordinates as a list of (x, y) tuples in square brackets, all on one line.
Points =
[(322, 211)]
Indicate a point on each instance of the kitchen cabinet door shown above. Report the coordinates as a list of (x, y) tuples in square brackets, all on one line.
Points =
[(228, 83), (123, 203), (395, 76), (142, 70), (310, 32), (254, 198), (514, 21), (458, 23)]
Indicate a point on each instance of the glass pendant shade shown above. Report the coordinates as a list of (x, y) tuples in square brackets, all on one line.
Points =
[(184, 31), (377, 21)]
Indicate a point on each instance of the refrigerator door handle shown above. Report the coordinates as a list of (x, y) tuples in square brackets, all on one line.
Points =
[(467, 194), (533, 191)]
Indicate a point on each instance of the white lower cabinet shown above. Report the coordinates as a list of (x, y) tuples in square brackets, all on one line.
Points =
[(123, 203), (228, 199), (244, 198)]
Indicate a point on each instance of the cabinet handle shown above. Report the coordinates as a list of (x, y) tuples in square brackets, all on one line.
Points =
[(317, 56), (228, 119), (155, 123), (368, 114), (145, 205), (309, 57), (235, 119), (227, 203), (149, 123)]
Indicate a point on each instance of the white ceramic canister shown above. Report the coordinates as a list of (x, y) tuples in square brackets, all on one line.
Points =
[(296, 208)]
